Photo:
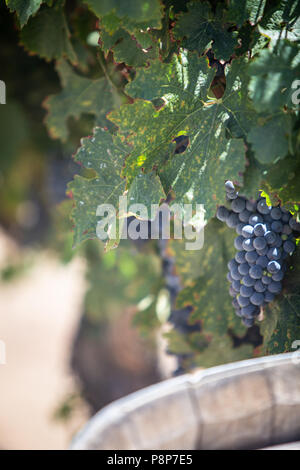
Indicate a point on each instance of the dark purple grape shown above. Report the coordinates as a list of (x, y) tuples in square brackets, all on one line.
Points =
[(257, 299), (262, 207), (266, 280), (289, 247), (233, 220), (248, 281), (251, 256), (270, 237), (275, 287), (238, 205), (236, 285), (239, 228), (255, 272), (229, 187), (243, 269), (259, 286), (255, 219), (276, 213), (244, 216), (248, 322), (274, 254), (238, 242), (246, 291), (276, 226), (259, 243), (251, 311), (251, 206), (269, 297), (222, 213), (243, 301), (248, 231), (278, 276), (240, 257), (248, 244), (273, 267), (294, 225)]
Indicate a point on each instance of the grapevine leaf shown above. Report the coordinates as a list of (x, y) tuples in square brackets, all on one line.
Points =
[(221, 351), (246, 10), (198, 174), (105, 154), (272, 75), (270, 140), (200, 26), (126, 48), (24, 8), (281, 326), (79, 95), (206, 288), (138, 10), (47, 34)]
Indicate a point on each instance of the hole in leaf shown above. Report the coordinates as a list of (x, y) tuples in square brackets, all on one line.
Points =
[(182, 142)]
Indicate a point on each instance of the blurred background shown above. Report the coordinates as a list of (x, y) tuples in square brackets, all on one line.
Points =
[(79, 329)]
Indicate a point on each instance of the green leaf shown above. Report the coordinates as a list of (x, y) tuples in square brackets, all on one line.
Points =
[(24, 8), (105, 154), (281, 326), (203, 275), (200, 26), (79, 95), (138, 10), (272, 75), (126, 48), (246, 10), (48, 35), (270, 140), (198, 174)]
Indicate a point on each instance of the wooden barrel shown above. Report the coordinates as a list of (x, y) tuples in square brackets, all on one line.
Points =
[(247, 404)]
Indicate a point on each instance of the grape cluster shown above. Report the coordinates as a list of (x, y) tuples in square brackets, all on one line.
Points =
[(264, 242)]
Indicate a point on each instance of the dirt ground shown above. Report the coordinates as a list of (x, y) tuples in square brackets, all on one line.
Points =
[(40, 311)]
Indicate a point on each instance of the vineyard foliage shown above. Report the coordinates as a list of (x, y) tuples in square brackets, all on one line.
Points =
[(226, 75)]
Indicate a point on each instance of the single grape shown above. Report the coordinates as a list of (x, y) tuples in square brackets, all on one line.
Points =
[(243, 301), (238, 312), (262, 207), (236, 285), (278, 276), (240, 257), (276, 213), (247, 244), (238, 242), (259, 243), (285, 215), (229, 277), (278, 242), (251, 256), (248, 231), (260, 230), (275, 287), (222, 213), (274, 254), (294, 225), (248, 281), (233, 220), (273, 267), (246, 291), (255, 219), (257, 299), (229, 186), (266, 280), (250, 311), (269, 297), (235, 303), (243, 269), (232, 264), (244, 216), (262, 261), (238, 205), (289, 247), (259, 286), (270, 237), (255, 272), (236, 276), (276, 226)]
